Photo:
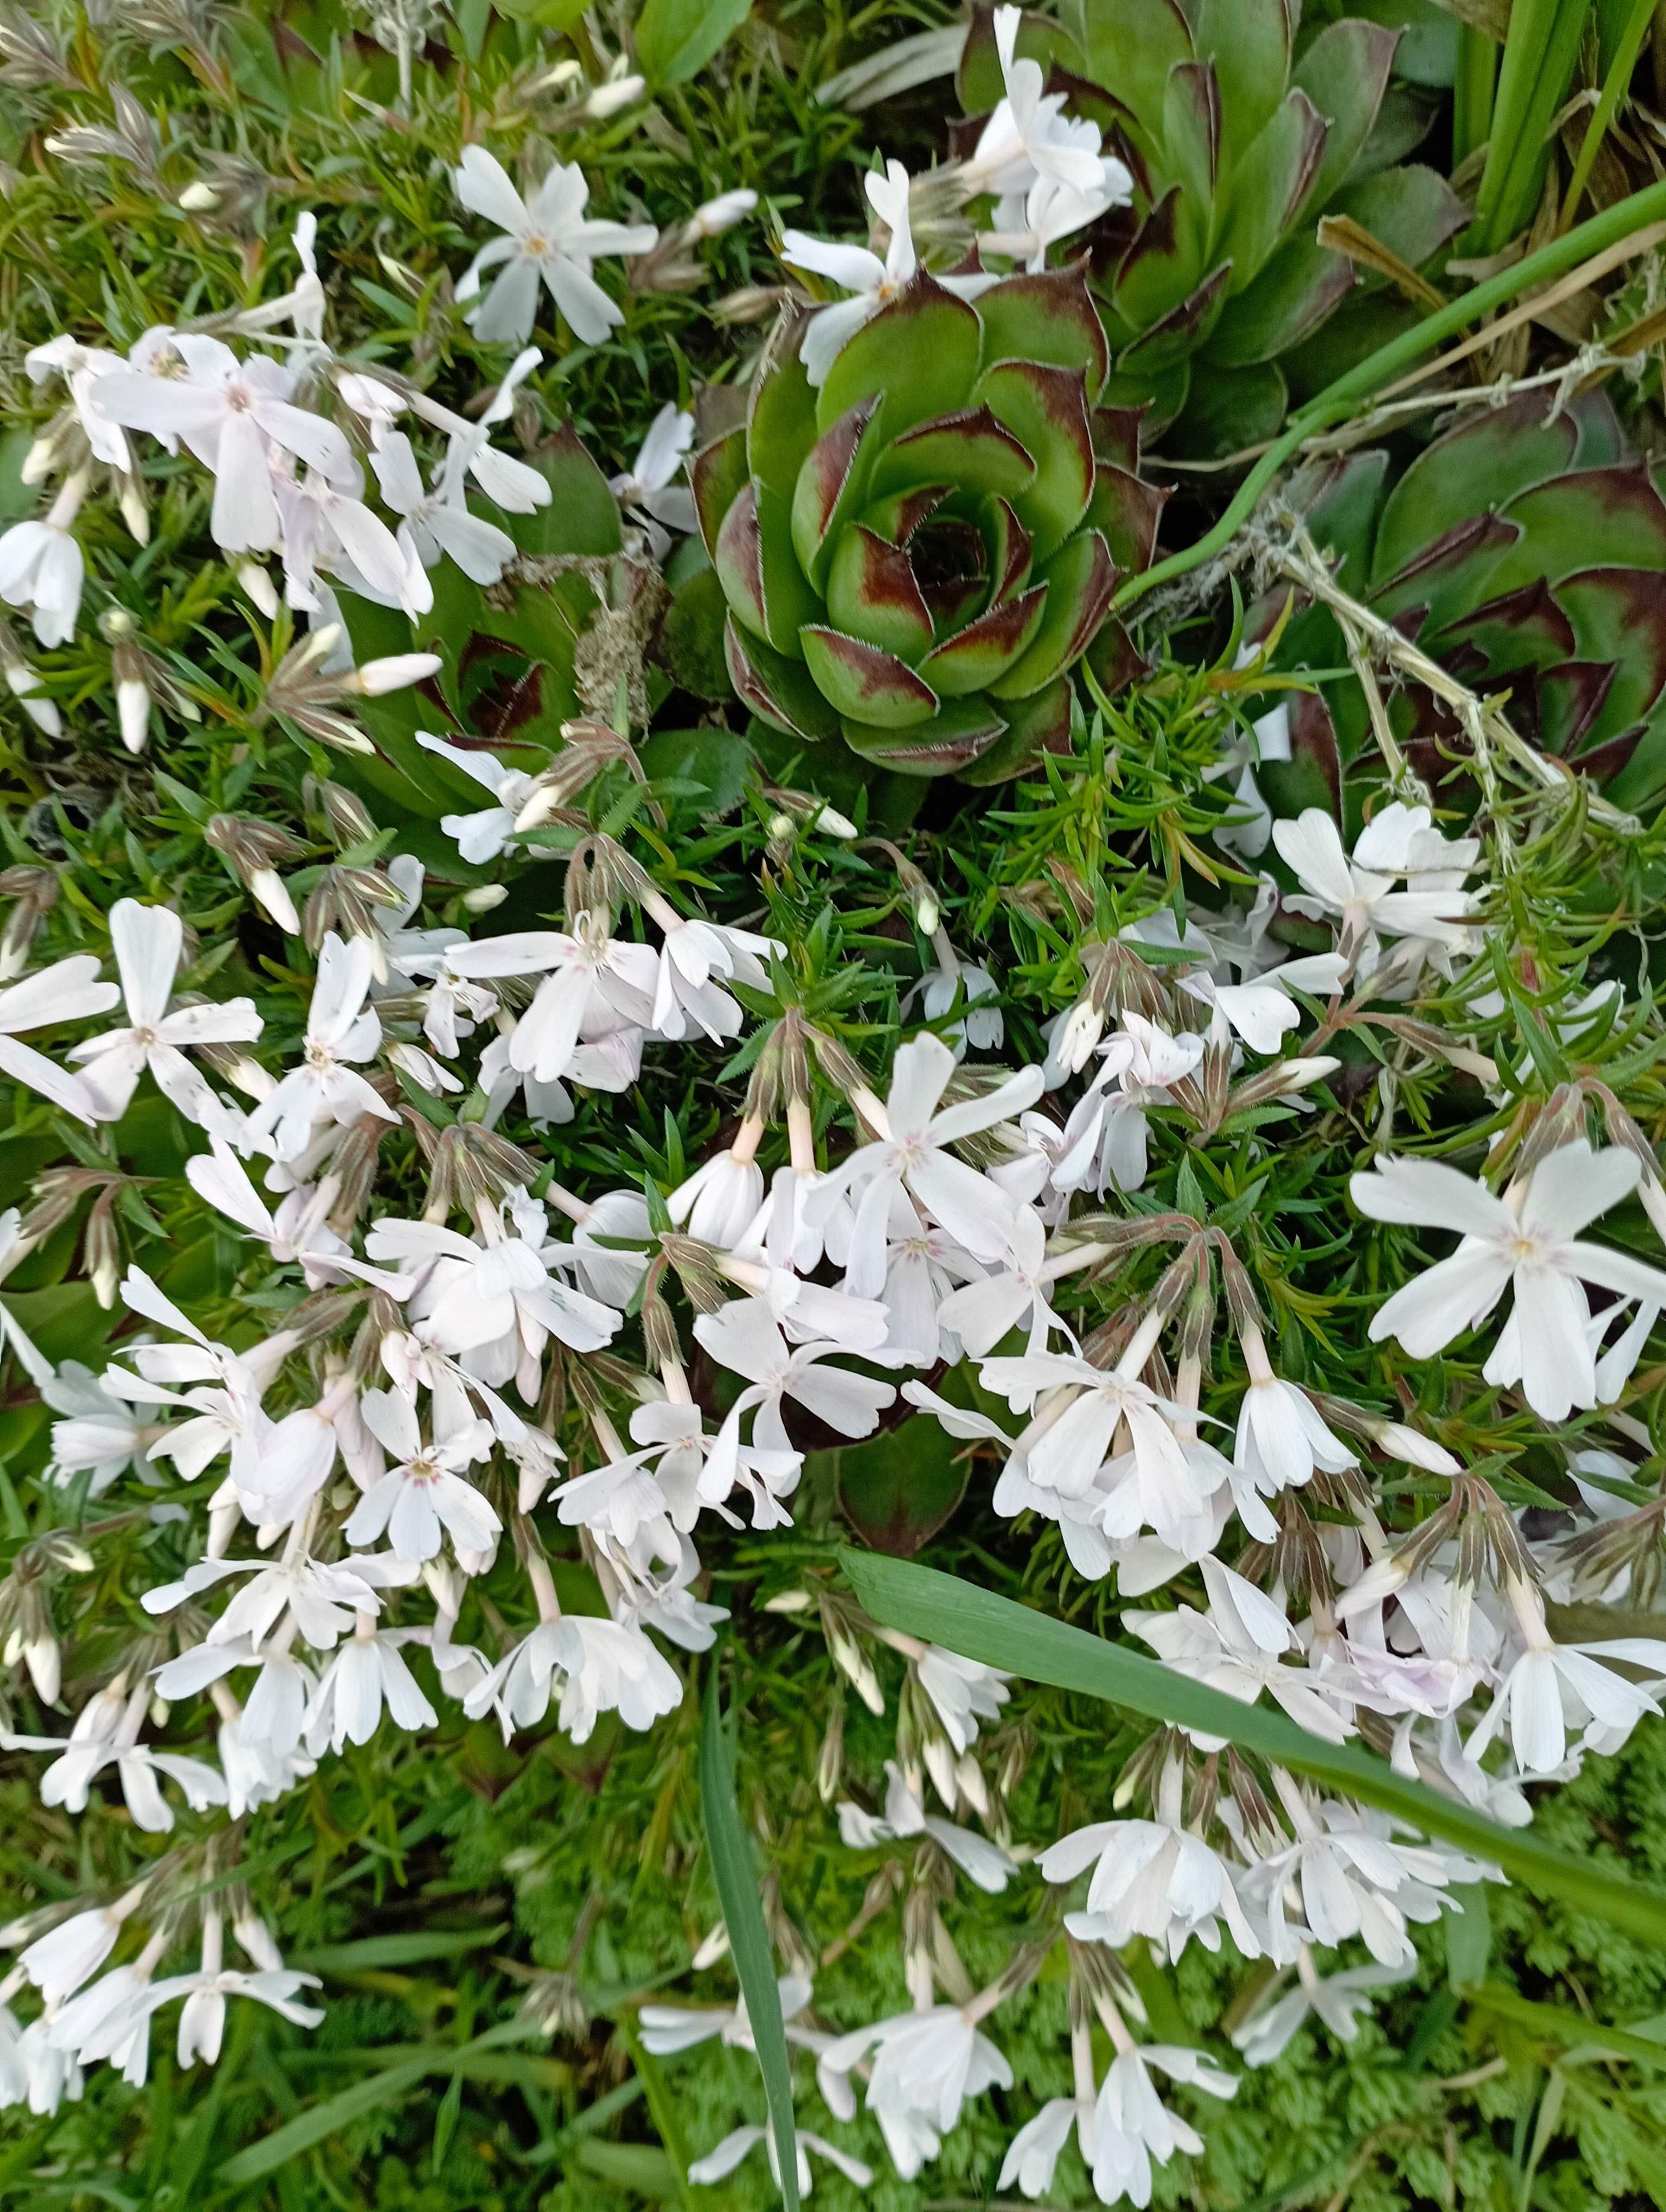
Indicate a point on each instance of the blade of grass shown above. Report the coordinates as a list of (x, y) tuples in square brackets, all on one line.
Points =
[(1472, 86), (1625, 219), (1001, 1633), (1540, 56), (662, 2110), (1616, 86), (1588, 2039), (320, 2121), (736, 1876)]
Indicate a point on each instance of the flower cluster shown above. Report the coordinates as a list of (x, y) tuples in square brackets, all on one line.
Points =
[(498, 1378)]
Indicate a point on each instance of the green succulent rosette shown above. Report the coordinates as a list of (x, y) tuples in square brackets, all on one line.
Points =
[(913, 556), (1524, 549), (1242, 123)]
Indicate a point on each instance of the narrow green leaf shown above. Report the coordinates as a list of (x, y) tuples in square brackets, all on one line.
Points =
[(1469, 1937), (676, 38), (736, 1876), (1589, 2038), (980, 1626), (662, 2110), (320, 2121), (411, 1948)]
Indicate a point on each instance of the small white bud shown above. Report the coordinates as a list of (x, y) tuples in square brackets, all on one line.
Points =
[(37, 461), (267, 889), (46, 1665), (199, 198), (133, 712), (23, 681), (392, 674), (134, 513), (794, 1601), (609, 99), (483, 897), (1400, 1442), (713, 218), (714, 1947), (258, 584)]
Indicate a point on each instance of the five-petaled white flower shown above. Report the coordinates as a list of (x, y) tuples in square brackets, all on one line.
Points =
[(1528, 1240), (552, 238), (147, 942)]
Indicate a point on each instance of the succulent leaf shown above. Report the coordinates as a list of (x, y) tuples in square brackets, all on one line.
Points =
[(919, 355), (1239, 134), (1483, 552)]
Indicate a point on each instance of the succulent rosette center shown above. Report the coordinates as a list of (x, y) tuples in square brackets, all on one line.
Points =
[(914, 555)]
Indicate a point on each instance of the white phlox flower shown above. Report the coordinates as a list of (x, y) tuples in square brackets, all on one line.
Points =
[(1527, 1241), (548, 239)]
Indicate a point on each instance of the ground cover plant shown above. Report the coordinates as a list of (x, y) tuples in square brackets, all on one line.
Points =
[(831, 1259)]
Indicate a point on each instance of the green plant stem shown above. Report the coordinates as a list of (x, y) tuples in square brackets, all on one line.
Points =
[(1339, 400), (1472, 88), (1616, 86)]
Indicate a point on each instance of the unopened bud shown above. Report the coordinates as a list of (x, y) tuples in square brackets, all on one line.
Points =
[(102, 1250), (132, 696), (258, 586), (1400, 1442), (830, 1767), (45, 1662), (714, 1946), (713, 218), (130, 498), (199, 198), (392, 674), (35, 891), (610, 99), (269, 891), (483, 897), (23, 683)]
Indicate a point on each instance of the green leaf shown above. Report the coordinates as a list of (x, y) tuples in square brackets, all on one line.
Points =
[(1469, 1937), (410, 1947), (320, 2121), (1589, 2037), (898, 1489), (641, 2166), (714, 759), (735, 1872), (980, 1626), (676, 38)]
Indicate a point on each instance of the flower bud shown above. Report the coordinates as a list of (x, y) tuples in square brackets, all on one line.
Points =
[(130, 498), (268, 890), (392, 673), (35, 891), (102, 1250), (132, 695), (608, 100), (198, 198), (45, 1662), (483, 897), (714, 1946), (713, 218), (830, 1767), (254, 581)]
